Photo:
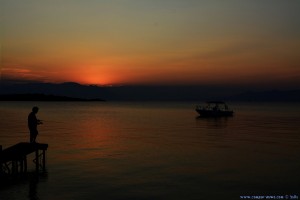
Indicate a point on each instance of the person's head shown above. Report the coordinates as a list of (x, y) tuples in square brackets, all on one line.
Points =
[(35, 109)]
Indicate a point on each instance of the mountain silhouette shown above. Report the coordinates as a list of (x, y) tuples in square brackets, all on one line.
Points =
[(40, 97), (146, 93)]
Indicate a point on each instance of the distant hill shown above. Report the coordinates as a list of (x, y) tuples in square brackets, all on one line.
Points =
[(269, 96), (76, 92), (41, 97), (72, 90)]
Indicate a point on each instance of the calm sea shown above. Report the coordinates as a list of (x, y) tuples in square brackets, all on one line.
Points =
[(148, 150)]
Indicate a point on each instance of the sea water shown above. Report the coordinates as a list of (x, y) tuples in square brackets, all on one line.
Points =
[(157, 150)]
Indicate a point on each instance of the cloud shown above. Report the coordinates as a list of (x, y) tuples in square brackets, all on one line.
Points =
[(19, 74), (15, 70)]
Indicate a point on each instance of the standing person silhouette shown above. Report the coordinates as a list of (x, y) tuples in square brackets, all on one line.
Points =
[(32, 124)]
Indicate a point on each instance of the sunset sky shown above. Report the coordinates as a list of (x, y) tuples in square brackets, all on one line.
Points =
[(151, 42)]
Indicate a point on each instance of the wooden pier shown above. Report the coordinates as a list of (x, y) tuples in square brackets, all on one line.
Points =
[(13, 160)]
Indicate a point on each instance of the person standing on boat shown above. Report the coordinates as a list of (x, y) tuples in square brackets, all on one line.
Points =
[(33, 122)]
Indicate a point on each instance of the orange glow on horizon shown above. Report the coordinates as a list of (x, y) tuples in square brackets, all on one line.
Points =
[(160, 73)]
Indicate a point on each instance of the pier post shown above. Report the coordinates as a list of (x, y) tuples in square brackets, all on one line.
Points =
[(1, 167), (21, 165), (37, 160), (25, 164), (13, 167), (44, 160)]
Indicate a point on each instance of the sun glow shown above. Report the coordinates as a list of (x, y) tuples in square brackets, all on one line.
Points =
[(88, 74)]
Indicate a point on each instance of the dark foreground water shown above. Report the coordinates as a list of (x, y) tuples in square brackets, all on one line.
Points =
[(103, 150)]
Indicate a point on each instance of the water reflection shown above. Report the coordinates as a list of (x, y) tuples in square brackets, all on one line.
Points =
[(34, 181), (27, 186), (213, 122)]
